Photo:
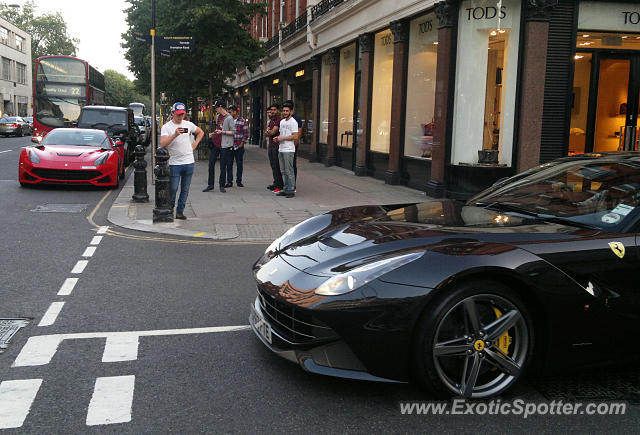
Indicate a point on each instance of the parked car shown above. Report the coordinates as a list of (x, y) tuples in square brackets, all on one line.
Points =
[(463, 297), (145, 131), (29, 120), (14, 126), (73, 156), (116, 121)]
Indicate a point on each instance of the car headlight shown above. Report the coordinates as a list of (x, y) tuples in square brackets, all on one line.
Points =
[(100, 160), (33, 157), (349, 281)]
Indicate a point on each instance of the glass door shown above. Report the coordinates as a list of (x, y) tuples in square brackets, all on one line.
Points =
[(616, 111)]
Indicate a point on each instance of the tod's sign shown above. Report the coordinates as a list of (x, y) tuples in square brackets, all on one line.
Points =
[(612, 16)]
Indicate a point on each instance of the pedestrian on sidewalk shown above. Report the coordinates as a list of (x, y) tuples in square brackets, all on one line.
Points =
[(295, 116), (215, 152), (286, 150), (227, 132), (175, 136), (273, 127), (239, 141)]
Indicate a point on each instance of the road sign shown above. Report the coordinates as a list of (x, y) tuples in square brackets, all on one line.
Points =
[(165, 53), (175, 43), (142, 38)]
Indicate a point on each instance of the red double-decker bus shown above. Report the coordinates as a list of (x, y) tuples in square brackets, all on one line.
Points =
[(63, 85)]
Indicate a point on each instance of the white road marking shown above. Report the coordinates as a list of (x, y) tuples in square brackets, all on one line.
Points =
[(89, 251), (79, 267), (111, 401), (51, 315), (16, 398), (102, 230), (5, 151), (67, 286), (96, 240), (123, 347), (40, 349)]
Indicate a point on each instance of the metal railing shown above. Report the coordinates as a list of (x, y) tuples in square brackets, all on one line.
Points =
[(323, 7), (293, 27), (272, 43)]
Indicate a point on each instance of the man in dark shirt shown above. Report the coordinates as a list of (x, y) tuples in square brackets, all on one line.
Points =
[(273, 128), (214, 152)]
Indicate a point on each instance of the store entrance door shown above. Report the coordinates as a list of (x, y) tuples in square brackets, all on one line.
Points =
[(614, 117)]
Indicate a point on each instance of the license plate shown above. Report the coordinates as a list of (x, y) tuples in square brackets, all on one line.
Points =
[(261, 325)]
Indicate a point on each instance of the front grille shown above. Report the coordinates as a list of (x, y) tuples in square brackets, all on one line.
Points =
[(292, 323), (64, 174)]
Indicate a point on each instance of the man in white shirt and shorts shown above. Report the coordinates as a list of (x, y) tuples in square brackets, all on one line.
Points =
[(175, 136)]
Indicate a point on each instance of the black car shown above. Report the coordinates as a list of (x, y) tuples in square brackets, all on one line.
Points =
[(14, 126), (118, 122), (539, 270)]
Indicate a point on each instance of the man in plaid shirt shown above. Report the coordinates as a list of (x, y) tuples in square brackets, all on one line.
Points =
[(239, 140)]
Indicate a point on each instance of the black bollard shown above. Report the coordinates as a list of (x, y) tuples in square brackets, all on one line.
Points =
[(140, 176), (163, 211)]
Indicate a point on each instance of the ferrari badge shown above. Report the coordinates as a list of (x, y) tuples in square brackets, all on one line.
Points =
[(617, 248)]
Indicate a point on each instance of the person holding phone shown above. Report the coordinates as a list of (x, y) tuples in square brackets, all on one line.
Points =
[(175, 136)]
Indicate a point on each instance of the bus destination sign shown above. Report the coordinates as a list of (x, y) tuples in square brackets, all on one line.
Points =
[(73, 91)]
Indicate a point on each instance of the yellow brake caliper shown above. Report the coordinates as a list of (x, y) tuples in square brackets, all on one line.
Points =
[(504, 341)]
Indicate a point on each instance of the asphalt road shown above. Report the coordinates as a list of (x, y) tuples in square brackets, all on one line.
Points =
[(187, 376)]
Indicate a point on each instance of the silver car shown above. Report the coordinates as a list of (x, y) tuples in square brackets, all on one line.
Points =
[(14, 126)]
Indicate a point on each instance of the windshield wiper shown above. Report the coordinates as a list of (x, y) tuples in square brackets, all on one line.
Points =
[(501, 206), (568, 222)]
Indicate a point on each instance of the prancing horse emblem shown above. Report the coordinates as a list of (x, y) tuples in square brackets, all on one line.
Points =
[(617, 248)]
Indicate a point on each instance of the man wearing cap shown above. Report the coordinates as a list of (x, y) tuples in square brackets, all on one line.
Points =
[(227, 131), (175, 136)]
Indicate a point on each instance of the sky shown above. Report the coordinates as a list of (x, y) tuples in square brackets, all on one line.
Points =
[(98, 25)]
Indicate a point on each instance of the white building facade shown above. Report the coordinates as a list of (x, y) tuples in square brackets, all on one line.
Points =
[(16, 87)]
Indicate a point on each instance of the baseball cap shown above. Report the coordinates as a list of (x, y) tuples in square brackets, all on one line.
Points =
[(179, 108), (218, 103)]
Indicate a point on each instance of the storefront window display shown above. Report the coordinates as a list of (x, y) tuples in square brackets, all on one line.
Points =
[(580, 102), (421, 86), (324, 99), (381, 96), (486, 77), (346, 95)]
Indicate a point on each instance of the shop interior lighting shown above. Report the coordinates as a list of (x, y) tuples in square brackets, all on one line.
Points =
[(625, 37), (577, 56), (585, 36), (493, 33), (435, 43), (501, 31)]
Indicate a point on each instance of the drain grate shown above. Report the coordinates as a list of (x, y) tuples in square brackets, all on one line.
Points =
[(60, 208), (8, 328)]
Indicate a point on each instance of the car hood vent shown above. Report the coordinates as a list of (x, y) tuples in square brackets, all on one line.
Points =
[(69, 155)]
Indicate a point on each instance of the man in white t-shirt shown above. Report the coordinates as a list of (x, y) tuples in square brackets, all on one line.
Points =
[(287, 148), (176, 138)]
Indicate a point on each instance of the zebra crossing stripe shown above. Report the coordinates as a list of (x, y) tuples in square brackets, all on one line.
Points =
[(111, 401), (16, 398)]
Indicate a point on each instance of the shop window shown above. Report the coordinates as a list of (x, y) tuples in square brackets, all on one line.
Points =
[(421, 86), (486, 78), (381, 96), (324, 99), (618, 41), (346, 94), (580, 102)]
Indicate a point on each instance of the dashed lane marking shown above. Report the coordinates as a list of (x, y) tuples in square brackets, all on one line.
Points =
[(111, 401), (79, 267), (16, 398), (89, 251), (51, 315), (96, 240), (40, 349), (122, 347), (102, 230), (67, 286), (5, 151)]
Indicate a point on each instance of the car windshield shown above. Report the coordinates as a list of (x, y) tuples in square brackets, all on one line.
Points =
[(77, 138), (102, 118), (140, 121), (601, 193)]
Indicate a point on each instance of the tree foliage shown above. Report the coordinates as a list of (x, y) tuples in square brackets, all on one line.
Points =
[(121, 91), (49, 34), (221, 44)]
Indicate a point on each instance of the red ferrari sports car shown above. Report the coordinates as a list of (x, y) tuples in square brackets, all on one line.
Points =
[(73, 156)]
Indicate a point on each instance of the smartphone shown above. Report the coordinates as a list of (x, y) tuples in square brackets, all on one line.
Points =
[(184, 130)]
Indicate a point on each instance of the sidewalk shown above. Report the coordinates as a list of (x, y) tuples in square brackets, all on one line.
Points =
[(253, 213)]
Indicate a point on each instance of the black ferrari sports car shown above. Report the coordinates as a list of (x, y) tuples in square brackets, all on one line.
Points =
[(538, 270)]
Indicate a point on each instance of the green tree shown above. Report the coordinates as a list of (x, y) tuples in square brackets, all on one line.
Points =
[(221, 44), (121, 91), (49, 34)]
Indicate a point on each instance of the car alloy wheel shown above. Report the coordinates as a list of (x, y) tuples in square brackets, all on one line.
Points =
[(478, 344)]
